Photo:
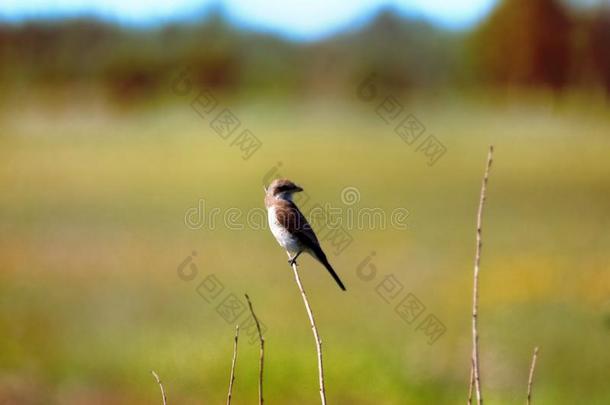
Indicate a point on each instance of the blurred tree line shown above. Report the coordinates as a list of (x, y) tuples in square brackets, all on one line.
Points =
[(529, 43)]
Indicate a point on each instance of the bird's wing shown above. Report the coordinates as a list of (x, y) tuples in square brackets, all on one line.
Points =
[(295, 222), (289, 215)]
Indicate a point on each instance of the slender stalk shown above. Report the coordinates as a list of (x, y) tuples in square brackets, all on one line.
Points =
[(315, 334), (530, 381), (475, 293), (262, 353), (470, 385), (160, 386), (232, 378)]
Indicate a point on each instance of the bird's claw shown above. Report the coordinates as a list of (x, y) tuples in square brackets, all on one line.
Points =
[(292, 262)]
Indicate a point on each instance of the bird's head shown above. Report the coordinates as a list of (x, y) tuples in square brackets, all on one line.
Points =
[(282, 188)]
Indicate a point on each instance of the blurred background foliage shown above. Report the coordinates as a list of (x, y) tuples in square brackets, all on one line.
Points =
[(529, 43)]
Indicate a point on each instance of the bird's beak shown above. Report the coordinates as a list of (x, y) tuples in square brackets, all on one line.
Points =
[(297, 189)]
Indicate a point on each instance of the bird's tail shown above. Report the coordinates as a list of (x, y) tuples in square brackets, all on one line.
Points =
[(319, 254)]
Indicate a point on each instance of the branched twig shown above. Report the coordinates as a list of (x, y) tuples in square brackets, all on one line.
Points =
[(160, 386), (232, 378), (315, 334), (262, 353), (475, 294), (530, 381)]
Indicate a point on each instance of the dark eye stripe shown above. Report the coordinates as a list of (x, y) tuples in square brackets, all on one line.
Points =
[(284, 188)]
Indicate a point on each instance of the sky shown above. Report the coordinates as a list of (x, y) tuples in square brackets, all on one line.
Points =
[(297, 19)]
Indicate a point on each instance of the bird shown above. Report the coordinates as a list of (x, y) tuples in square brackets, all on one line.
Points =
[(290, 227)]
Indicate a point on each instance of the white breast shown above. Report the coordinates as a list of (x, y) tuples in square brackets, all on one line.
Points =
[(283, 237)]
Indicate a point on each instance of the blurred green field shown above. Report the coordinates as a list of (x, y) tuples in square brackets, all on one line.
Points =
[(92, 206)]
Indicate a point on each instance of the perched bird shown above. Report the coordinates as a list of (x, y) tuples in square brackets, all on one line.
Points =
[(290, 227)]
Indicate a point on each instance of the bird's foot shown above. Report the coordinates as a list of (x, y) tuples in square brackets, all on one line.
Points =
[(293, 261)]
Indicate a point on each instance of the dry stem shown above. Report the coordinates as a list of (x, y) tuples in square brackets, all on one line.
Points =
[(262, 353), (471, 384), (315, 334), (232, 378), (160, 386), (475, 295), (531, 378)]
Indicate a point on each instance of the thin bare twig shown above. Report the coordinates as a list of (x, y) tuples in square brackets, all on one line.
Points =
[(475, 293), (530, 381), (262, 353), (471, 383), (160, 386), (315, 334), (232, 378)]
